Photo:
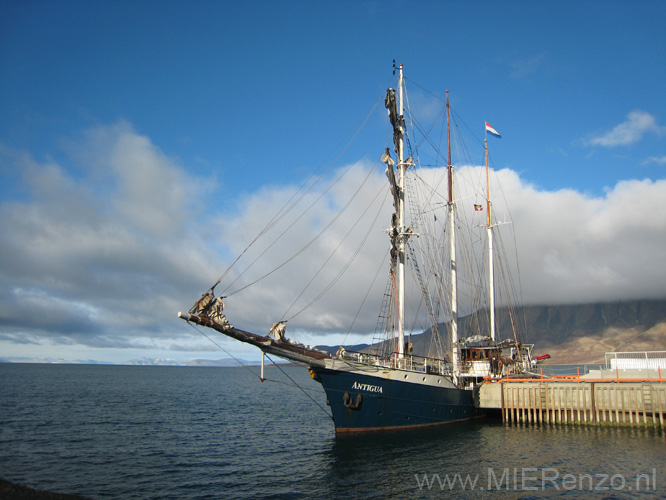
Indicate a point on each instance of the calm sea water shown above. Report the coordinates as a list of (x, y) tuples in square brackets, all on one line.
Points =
[(131, 432)]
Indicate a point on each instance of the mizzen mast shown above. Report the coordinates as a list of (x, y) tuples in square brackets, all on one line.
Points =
[(491, 284)]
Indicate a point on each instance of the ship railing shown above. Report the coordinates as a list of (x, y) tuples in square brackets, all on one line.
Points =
[(409, 362)]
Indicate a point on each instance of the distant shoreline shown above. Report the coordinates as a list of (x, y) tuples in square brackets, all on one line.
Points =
[(251, 364)]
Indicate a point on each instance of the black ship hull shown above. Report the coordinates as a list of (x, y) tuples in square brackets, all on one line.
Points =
[(361, 403)]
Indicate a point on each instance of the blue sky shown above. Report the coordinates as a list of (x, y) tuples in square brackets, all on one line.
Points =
[(216, 102)]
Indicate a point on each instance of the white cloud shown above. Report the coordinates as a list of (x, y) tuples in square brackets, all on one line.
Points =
[(660, 160), (104, 253), (633, 129), (99, 256), (524, 67), (572, 248), (577, 249)]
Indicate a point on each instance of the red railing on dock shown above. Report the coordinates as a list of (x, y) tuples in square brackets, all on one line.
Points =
[(576, 378)]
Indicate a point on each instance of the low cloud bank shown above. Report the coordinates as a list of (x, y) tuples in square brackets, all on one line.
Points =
[(102, 249)]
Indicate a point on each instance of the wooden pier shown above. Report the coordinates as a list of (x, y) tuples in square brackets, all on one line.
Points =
[(607, 399)]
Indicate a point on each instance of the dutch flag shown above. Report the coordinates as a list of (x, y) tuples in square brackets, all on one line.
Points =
[(490, 129)]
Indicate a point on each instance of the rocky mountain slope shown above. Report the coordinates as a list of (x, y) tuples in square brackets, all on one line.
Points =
[(583, 333)]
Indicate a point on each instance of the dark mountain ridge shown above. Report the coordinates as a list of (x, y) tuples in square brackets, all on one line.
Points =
[(556, 324), (576, 333)]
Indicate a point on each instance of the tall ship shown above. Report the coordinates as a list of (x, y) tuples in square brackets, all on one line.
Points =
[(409, 376)]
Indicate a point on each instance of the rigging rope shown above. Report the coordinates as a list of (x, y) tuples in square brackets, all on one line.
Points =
[(343, 270), (311, 242), (284, 210), (367, 294), (321, 268), (240, 362), (304, 392)]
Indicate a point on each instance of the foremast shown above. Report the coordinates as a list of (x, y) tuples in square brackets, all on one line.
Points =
[(398, 232)]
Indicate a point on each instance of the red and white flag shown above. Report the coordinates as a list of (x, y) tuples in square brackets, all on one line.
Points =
[(489, 128)]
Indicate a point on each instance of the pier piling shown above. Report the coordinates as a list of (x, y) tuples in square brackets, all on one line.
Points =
[(577, 401)]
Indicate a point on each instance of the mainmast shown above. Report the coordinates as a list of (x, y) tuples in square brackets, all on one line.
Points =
[(491, 284), (452, 240)]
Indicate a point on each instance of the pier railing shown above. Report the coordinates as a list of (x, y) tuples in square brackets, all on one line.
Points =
[(643, 366), (641, 360)]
